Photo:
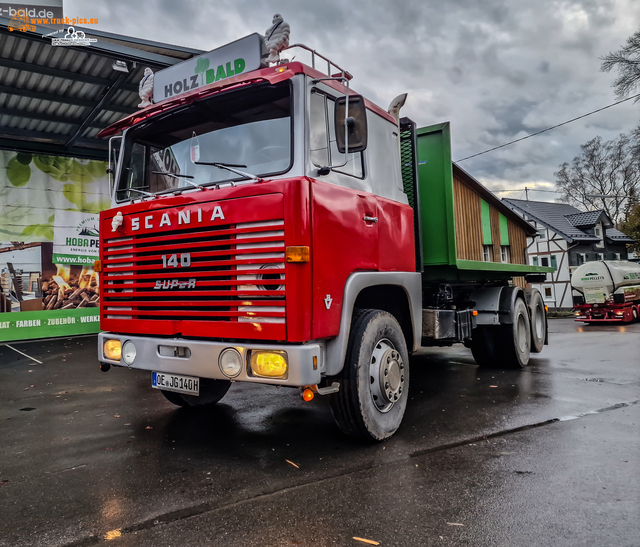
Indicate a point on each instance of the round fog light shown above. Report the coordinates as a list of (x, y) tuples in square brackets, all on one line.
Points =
[(230, 363), (128, 352)]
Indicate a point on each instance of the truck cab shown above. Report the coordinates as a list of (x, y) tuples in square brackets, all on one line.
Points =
[(245, 231)]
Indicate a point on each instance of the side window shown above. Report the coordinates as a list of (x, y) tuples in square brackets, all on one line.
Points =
[(133, 173), (318, 136), (324, 150)]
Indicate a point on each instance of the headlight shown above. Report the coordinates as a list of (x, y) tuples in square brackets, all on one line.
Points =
[(112, 349), (230, 363), (128, 352), (269, 364)]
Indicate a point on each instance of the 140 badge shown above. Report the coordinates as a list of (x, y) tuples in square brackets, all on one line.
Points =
[(183, 260)]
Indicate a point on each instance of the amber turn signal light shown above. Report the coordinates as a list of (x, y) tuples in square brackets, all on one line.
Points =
[(297, 254), (308, 395)]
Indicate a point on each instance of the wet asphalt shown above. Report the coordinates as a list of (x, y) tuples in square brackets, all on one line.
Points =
[(545, 456)]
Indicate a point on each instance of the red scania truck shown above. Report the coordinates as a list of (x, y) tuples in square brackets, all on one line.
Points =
[(271, 226)]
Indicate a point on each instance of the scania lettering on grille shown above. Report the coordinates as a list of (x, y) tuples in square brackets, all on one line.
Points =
[(168, 284), (185, 217)]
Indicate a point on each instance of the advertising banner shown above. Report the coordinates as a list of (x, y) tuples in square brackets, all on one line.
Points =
[(49, 239), (238, 57), (75, 238)]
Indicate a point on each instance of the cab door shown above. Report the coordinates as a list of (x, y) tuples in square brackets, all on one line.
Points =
[(344, 240)]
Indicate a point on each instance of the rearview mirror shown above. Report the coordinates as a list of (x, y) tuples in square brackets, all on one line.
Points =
[(356, 123)]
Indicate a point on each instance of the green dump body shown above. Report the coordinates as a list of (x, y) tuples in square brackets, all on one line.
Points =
[(436, 211)]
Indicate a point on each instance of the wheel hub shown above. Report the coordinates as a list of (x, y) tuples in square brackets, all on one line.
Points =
[(387, 375)]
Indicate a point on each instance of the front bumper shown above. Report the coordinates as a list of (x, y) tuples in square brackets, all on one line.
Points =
[(200, 358)]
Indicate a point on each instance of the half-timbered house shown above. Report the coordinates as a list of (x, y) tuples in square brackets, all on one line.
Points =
[(566, 238)]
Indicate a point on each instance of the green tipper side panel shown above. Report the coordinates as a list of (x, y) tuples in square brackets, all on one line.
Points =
[(485, 214), (504, 230), (435, 182), (437, 217)]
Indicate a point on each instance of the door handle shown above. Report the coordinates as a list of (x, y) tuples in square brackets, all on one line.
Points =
[(367, 218)]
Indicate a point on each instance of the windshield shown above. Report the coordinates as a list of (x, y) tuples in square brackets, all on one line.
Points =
[(248, 130)]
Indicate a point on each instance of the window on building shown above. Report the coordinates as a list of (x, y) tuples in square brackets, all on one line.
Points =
[(545, 261), (553, 261), (582, 258), (504, 253), (487, 253), (542, 233), (547, 292), (598, 232), (534, 261)]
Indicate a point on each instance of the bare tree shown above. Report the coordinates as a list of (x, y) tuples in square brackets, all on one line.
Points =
[(605, 175), (627, 61), (631, 227)]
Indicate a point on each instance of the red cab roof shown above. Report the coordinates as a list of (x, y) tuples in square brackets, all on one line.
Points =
[(273, 75)]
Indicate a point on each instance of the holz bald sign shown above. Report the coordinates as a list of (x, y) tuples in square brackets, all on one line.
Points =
[(238, 57)]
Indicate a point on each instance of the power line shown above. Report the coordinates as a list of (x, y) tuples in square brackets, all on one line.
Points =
[(525, 189), (549, 128)]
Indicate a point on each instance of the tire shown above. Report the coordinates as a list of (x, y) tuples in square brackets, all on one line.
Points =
[(211, 391), (372, 398), (482, 346), (538, 322), (514, 341), (504, 346)]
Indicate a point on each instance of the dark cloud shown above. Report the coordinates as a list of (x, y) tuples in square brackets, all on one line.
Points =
[(496, 69)]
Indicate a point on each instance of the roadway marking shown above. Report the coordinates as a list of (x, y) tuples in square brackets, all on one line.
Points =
[(28, 356)]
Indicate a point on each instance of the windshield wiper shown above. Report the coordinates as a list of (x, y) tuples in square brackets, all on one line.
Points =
[(177, 176), (140, 192), (230, 167)]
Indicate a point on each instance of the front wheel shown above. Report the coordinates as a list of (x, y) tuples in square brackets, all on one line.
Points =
[(374, 381), (211, 391)]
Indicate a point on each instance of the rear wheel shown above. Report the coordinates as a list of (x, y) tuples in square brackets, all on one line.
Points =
[(504, 346), (482, 346), (514, 341), (211, 391), (374, 381), (538, 322)]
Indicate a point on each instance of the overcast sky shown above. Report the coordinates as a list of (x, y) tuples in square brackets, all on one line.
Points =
[(496, 69)]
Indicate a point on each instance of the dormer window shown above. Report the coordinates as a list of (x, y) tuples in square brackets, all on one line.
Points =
[(598, 233)]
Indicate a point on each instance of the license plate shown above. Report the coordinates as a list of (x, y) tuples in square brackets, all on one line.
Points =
[(175, 382)]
